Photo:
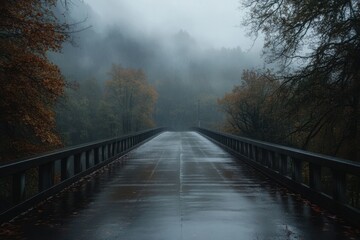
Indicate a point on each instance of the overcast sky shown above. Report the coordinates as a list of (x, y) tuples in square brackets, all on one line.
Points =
[(213, 23)]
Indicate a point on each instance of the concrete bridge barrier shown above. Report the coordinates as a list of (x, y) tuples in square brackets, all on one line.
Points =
[(52, 172), (322, 179)]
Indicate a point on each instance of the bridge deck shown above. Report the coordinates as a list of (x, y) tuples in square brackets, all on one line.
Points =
[(177, 186)]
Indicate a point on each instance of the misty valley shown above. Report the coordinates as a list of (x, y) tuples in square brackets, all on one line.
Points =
[(169, 119)]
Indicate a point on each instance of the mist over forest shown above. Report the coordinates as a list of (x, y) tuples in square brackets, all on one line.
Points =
[(79, 71), (165, 119), (188, 76)]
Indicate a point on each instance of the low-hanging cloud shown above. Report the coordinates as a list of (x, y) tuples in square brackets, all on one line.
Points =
[(193, 46)]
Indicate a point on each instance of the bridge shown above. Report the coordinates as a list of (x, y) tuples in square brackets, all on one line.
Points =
[(198, 184)]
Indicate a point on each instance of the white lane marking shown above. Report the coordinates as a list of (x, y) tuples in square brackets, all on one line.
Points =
[(157, 164), (211, 163), (181, 187)]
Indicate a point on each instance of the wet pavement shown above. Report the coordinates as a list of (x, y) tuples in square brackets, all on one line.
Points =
[(177, 186)]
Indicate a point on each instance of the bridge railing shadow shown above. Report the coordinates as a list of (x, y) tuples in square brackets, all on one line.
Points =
[(27, 182), (330, 182)]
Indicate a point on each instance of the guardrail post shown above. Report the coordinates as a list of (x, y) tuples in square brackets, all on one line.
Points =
[(252, 152), (283, 164), (339, 185), (265, 157), (270, 159), (258, 155), (87, 159), (96, 156), (102, 153), (247, 150), (315, 176), (296, 170), (46, 176), (65, 168), (77, 163), (117, 147), (108, 146), (277, 161), (18, 187)]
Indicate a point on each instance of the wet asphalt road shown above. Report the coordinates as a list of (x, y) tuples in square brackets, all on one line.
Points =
[(177, 186)]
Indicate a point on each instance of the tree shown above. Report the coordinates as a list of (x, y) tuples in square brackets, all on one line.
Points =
[(252, 110), (30, 83), (81, 114), (132, 99), (320, 42)]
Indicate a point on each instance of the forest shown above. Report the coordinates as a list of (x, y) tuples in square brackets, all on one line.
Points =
[(66, 81), (312, 101)]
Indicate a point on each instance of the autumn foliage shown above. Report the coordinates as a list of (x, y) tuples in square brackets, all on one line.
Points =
[(100, 110), (30, 83), (264, 108), (252, 108), (132, 99), (317, 46)]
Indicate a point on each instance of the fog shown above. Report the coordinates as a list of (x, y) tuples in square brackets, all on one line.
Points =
[(193, 52)]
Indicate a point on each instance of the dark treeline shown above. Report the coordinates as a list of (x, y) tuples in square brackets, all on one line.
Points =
[(314, 101), (187, 77), (92, 111), (104, 82), (112, 80)]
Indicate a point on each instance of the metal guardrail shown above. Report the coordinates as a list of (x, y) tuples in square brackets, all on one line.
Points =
[(322, 179), (56, 170)]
